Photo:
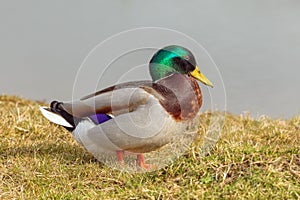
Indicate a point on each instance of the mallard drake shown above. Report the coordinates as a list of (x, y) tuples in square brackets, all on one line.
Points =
[(140, 116)]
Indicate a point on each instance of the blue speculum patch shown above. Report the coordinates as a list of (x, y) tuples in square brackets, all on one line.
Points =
[(100, 118)]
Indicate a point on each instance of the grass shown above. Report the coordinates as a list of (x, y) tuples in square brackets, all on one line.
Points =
[(253, 159)]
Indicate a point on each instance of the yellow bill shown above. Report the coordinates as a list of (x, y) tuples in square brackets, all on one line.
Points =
[(199, 76)]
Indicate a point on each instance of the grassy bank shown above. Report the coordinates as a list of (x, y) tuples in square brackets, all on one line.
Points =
[(253, 159)]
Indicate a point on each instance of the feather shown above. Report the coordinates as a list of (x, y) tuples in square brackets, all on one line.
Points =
[(55, 118), (115, 102)]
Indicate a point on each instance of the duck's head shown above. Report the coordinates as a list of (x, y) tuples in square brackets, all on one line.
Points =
[(175, 59)]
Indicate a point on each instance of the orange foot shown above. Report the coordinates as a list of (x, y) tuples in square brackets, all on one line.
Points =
[(120, 156), (140, 161)]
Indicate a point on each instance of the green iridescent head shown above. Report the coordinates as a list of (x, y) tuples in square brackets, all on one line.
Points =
[(175, 59)]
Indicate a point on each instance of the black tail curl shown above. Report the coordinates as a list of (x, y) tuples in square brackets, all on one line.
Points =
[(57, 107)]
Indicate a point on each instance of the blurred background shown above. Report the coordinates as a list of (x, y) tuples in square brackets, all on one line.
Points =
[(255, 45)]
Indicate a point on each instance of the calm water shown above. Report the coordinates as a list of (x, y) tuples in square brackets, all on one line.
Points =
[(255, 45)]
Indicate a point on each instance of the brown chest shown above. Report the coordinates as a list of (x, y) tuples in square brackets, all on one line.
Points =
[(182, 96)]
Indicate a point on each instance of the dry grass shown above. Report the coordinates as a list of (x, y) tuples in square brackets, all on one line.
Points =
[(253, 159)]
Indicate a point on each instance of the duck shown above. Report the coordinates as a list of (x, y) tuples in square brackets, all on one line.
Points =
[(139, 116)]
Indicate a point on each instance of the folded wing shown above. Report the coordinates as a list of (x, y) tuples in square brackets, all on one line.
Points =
[(115, 100)]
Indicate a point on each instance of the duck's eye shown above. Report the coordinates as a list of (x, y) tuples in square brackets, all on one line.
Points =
[(186, 58)]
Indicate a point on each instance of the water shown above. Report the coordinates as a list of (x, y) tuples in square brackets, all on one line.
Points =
[(255, 45)]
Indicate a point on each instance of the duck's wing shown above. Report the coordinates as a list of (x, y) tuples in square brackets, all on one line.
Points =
[(118, 99)]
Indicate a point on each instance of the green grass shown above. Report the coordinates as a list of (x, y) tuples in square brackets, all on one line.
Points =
[(253, 159)]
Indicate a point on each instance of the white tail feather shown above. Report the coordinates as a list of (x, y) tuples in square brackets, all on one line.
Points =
[(55, 118)]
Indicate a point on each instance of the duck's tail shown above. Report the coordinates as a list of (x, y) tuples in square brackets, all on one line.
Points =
[(58, 115)]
